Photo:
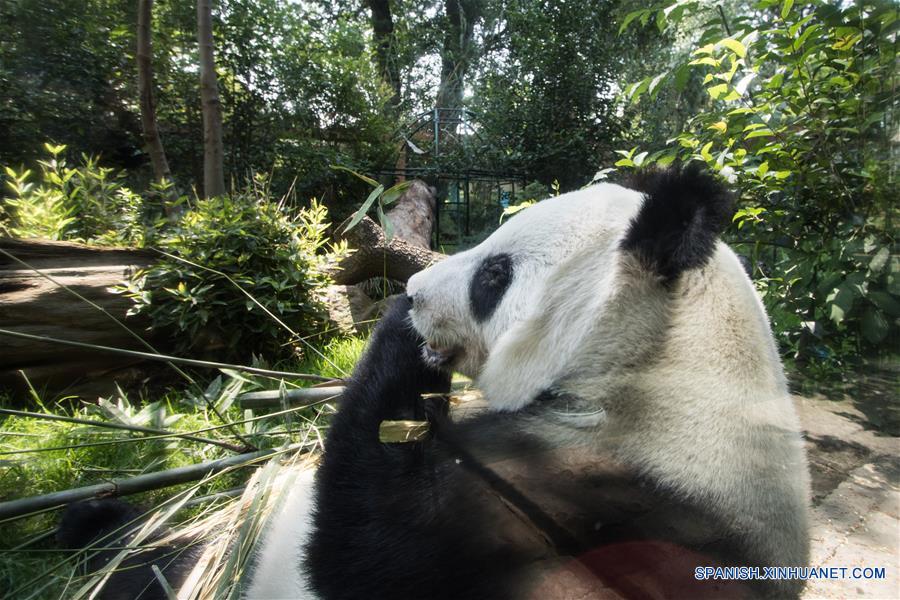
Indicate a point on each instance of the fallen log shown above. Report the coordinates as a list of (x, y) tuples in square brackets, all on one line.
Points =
[(34, 275), (58, 294)]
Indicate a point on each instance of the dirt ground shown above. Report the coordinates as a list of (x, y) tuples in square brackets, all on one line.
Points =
[(854, 456)]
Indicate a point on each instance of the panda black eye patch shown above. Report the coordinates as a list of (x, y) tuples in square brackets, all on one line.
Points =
[(490, 282)]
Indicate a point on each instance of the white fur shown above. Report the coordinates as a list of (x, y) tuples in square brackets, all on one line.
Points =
[(539, 238), (277, 574), (685, 385)]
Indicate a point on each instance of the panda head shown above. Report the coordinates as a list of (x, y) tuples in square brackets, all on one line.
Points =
[(463, 304), (520, 310)]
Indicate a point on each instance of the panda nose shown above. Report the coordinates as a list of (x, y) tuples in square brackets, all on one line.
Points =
[(414, 299)]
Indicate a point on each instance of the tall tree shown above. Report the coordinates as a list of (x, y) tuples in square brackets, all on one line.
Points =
[(385, 48), (213, 152), (548, 91), (457, 52), (145, 92)]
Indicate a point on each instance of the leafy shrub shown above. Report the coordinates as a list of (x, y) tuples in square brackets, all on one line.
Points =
[(86, 203), (268, 252), (800, 112)]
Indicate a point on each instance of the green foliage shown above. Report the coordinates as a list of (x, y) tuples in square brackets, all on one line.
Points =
[(83, 203), (125, 454), (385, 198), (67, 74), (44, 471), (297, 84), (271, 255), (545, 88), (799, 114)]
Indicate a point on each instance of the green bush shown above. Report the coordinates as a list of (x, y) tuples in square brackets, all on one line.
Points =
[(225, 253), (800, 113), (87, 203)]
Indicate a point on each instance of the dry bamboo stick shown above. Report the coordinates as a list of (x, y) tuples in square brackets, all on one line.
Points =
[(131, 485), (294, 398), (166, 358), (108, 425)]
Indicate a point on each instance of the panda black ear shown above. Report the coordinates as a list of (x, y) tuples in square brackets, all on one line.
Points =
[(684, 211)]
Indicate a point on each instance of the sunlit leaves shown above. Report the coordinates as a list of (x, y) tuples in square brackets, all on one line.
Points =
[(631, 158), (786, 8), (272, 259), (735, 46), (797, 107)]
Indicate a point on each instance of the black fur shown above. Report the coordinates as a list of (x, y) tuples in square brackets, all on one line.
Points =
[(436, 519), (399, 521), (110, 523), (490, 282), (684, 212)]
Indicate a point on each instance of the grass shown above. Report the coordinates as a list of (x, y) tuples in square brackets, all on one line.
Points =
[(179, 410)]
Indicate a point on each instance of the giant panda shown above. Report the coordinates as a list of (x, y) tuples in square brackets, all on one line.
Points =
[(638, 421)]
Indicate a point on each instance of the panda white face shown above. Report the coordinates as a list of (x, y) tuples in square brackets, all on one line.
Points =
[(463, 305)]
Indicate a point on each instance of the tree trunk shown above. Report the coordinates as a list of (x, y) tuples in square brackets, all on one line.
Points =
[(145, 91), (385, 48), (456, 55), (149, 126), (374, 256), (413, 214), (213, 153)]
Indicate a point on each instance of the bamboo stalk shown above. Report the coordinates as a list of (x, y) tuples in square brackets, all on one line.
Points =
[(138, 428), (293, 398), (228, 425), (166, 358), (403, 432), (131, 485)]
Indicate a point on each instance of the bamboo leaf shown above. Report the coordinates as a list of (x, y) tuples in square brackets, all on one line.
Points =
[(368, 180), (786, 8), (717, 91), (631, 17), (391, 194), (359, 214)]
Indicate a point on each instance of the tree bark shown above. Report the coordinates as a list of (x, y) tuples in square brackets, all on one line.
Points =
[(213, 152), (456, 55), (413, 214), (30, 303), (145, 91), (385, 48), (374, 256)]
